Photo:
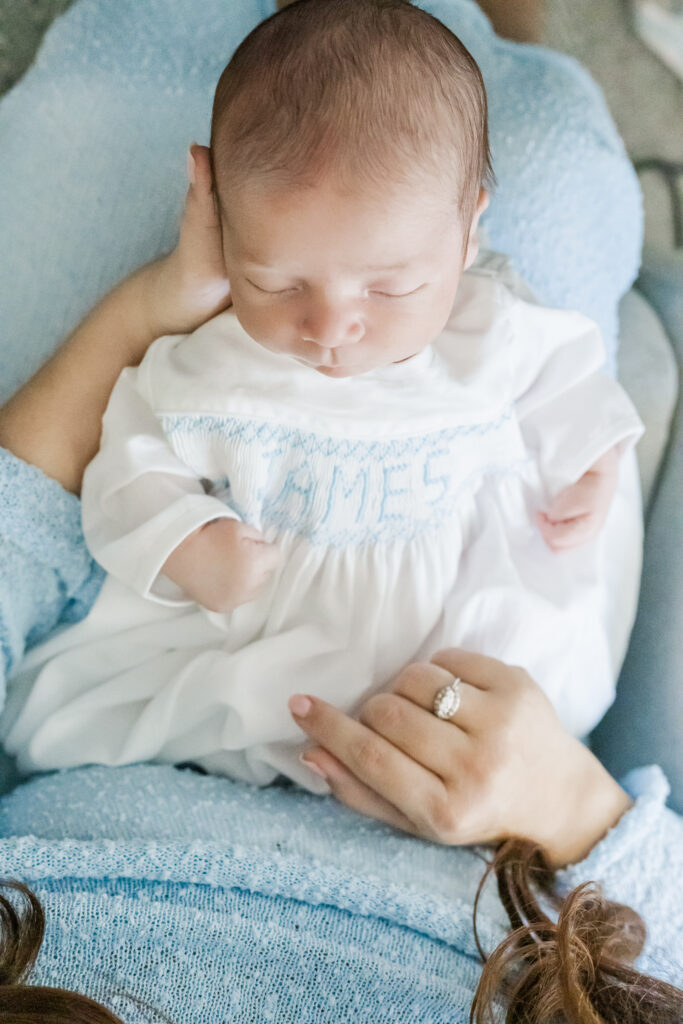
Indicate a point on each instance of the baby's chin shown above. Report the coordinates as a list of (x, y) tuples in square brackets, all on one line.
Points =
[(340, 371), (356, 371), (337, 371)]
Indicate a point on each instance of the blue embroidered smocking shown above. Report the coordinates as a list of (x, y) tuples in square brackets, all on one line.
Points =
[(347, 491)]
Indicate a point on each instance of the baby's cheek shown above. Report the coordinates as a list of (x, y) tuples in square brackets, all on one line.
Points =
[(418, 327), (263, 325)]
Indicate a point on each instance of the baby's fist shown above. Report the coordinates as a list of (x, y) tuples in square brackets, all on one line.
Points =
[(223, 564), (577, 513)]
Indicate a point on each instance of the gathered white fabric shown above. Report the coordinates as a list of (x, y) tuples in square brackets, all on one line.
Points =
[(403, 503)]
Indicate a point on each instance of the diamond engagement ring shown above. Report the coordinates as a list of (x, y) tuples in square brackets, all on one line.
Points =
[(447, 700)]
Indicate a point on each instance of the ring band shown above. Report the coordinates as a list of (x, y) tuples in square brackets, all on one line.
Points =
[(447, 700)]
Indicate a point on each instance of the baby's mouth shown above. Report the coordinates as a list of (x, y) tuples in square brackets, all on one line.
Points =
[(336, 371), (323, 365)]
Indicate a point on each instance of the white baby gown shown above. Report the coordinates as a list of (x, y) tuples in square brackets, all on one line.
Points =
[(403, 503)]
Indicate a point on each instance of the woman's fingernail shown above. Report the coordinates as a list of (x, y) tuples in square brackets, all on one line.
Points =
[(191, 168), (300, 706), (313, 767)]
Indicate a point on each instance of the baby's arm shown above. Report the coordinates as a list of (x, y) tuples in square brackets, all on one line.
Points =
[(221, 565), (149, 521), (578, 512), (575, 420)]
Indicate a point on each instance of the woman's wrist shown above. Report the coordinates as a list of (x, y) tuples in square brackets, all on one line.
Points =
[(181, 296), (160, 302), (592, 802), (157, 300)]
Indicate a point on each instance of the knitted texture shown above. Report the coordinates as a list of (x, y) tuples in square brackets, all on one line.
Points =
[(93, 143), (216, 902), (46, 572), (212, 901)]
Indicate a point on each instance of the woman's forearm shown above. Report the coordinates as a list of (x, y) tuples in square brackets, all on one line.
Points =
[(53, 422)]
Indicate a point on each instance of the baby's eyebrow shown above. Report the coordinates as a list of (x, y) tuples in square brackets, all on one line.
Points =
[(395, 266), (252, 261)]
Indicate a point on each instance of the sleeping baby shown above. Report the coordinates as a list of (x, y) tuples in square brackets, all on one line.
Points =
[(378, 451)]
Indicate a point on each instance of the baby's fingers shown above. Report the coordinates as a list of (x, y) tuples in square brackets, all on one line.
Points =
[(577, 500), (265, 557), (569, 533), (250, 533)]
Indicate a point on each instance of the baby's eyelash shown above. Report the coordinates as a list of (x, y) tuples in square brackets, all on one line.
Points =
[(264, 291), (401, 295), (386, 295)]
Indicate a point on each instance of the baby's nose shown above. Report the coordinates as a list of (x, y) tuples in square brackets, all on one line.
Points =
[(332, 328)]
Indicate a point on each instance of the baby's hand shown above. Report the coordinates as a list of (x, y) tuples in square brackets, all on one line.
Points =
[(577, 513), (223, 564)]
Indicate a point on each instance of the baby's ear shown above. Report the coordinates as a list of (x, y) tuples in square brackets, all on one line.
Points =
[(473, 239)]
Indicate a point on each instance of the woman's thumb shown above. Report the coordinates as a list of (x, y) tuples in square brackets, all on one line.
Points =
[(201, 199), (201, 243)]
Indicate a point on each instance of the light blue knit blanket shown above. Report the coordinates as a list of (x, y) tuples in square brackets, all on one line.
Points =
[(216, 902)]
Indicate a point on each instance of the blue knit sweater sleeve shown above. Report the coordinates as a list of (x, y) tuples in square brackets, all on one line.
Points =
[(640, 864), (46, 572)]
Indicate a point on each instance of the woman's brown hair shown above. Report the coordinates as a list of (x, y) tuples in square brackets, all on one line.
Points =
[(575, 967), (21, 935), (572, 968)]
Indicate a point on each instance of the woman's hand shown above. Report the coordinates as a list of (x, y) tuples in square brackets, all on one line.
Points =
[(502, 766), (191, 285)]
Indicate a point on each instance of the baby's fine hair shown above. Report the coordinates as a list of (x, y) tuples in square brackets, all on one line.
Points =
[(373, 93)]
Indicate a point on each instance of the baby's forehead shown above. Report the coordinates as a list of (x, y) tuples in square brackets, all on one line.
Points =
[(264, 207), (352, 232)]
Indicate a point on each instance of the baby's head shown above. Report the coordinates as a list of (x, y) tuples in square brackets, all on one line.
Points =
[(350, 158)]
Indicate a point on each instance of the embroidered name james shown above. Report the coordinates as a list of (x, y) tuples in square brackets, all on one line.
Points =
[(338, 491)]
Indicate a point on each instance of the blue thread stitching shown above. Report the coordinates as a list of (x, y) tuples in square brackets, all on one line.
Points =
[(336, 474), (382, 531), (290, 486), (390, 530), (251, 432), (387, 492), (443, 480)]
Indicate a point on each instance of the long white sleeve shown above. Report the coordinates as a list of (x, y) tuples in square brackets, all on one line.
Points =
[(569, 410), (139, 500)]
